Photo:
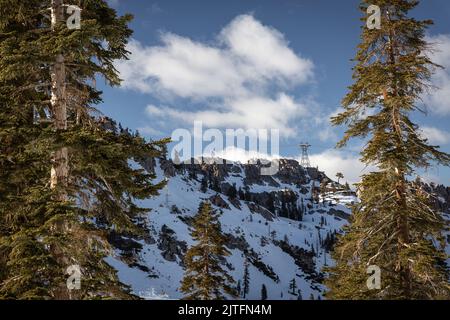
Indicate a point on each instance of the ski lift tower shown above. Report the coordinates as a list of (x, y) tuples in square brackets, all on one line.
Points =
[(305, 163)]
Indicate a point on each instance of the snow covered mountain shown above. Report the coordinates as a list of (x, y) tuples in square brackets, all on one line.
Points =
[(283, 225)]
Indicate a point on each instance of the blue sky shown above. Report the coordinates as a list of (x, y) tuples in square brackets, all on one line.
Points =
[(281, 64)]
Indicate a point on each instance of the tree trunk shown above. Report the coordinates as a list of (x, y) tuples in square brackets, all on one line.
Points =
[(403, 237), (60, 166), (60, 162)]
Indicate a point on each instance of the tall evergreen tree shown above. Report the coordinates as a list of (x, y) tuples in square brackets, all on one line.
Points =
[(66, 180), (204, 278), (339, 176), (241, 194), (263, 292), (204, 185), (269, 203), (232, 192), (394, 226), (293, 287), (238, 288), (246, 282)]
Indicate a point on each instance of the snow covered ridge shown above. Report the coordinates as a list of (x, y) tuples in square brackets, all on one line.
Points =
[(283, 227)]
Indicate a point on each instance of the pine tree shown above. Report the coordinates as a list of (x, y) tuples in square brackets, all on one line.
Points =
[(314, 193), (248, 194), (214, 184), (347, 186), (204, 277), (204, 185), (238, 288), (246, 281), (339, 176), (284, 212), (65, 180), (269, 203), (323, 187), (293, 287), (241, 194), (300, 213), (394, 225), (263, 292), (232, 192)]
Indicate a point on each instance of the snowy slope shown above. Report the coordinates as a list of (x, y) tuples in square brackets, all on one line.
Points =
[(281, 249)]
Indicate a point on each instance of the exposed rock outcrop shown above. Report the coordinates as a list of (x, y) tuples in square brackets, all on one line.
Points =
[(170, 247), (219, 202)]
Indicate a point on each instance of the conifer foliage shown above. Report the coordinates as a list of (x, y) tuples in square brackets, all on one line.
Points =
[(263, 292), (65, 178), (293, 287), (394, 227), (246, 280), (205, 279)]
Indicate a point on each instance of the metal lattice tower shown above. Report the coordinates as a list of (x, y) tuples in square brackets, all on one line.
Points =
[(305, 163)]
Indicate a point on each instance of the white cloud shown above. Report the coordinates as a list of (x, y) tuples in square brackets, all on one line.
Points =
[(241, 155), (239, 80), (435, 135), (333, 161), (325, 131), (438, 101), (263, 51), (150, 131), (153, 110), (246, 113), (181, 67)]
